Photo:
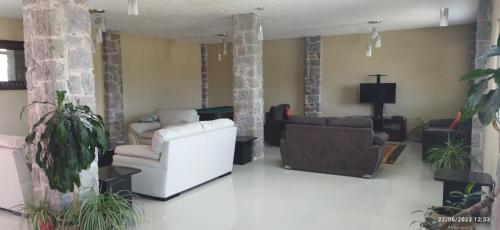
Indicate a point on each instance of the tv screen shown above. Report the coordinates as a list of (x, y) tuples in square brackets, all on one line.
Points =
[(377, 93)]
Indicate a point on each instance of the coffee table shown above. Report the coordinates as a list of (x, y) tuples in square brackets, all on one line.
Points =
[(243, 150), (117, 179)]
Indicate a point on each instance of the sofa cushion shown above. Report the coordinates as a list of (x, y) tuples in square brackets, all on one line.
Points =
[(147, 135), (163, 135), (351, 122), (278, 112), (169, 117), (216, 124), (140, 151), (307, 120), (11, 142)]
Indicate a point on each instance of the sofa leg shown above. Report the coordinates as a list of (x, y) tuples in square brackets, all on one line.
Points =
[(368, 176), (287, 167)]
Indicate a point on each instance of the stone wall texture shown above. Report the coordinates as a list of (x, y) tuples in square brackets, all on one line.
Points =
[(204, 76), (113, 86), (58, 57), (312, 77), (482, 44), (248, 93)]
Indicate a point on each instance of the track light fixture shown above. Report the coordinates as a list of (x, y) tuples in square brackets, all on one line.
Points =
[(133, 7), (444, 17)]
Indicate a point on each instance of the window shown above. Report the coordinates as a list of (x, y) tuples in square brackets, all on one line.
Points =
[(4, 73)]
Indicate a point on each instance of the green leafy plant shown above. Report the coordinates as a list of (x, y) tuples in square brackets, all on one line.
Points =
[(465, 199), (420, 125), (103, 211), (450, 156), (482, 99), (38, 217), (68, 138), (432, 221)]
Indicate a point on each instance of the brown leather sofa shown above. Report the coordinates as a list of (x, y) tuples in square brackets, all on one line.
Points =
[(437, 133), (276, 121), (343, 146)]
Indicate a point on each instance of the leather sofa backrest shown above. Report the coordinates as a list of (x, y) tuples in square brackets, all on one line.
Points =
[(352, 122), (301, 120), (175, 116)]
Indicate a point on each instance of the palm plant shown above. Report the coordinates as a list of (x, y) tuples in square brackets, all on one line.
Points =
[(420, 125), (103, 211), (450, 156), (68, 138)]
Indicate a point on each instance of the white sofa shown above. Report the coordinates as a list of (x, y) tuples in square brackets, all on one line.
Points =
[(141, 133), (14, 172), (180, 157)]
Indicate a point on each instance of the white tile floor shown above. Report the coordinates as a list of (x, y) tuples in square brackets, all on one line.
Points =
[(263, 196)]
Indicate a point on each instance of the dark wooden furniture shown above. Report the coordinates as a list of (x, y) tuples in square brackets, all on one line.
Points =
[(213, 113), (394, 127), (117, 179), (243, 150), (457, 180), (107, 158)]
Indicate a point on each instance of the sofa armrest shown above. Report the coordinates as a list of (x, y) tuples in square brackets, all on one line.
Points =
[(380, 139), (144, 127), (443, 123)]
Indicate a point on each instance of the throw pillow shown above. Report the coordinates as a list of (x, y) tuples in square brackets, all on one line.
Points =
[(288, 112), (456, 121), (152, 117)]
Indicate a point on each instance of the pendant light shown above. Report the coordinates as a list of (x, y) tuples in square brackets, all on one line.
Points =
[(260, 32), (378, 42), (224, 47), (133, 7), (100, 25), (444, 17), (374, 33), (219, 57), (98, 35), (369, 51)]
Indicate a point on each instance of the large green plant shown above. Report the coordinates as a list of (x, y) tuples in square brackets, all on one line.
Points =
[(450, 156), (68, 139), (482, 99)]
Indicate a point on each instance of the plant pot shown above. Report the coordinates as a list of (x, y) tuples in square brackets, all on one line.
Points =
[(46, 225), (441, 213)]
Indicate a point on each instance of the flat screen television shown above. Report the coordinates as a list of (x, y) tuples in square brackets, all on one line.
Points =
[(377, 93)]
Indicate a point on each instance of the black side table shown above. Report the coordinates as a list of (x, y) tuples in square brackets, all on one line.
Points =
[(243, 150), (457, 180), (117, 179)]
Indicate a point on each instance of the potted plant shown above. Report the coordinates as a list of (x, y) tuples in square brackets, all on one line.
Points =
[(436, 217), (38, 216), (103, 211), (420, 125), (450, 156)]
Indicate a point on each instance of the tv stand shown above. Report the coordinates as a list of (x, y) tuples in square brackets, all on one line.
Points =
[(395, 127), (378, 121)]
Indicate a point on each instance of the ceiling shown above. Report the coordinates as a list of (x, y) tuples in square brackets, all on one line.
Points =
[(200, 20)]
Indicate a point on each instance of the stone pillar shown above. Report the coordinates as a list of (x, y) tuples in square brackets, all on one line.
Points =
[(113, 86), (483, 43), (58, 57), (204, 76), (248, 99), (312, 77)]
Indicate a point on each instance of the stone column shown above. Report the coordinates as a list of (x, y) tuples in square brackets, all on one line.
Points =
[(248, 99), (113, 86), (58, 57), (204, 76), (312, 77), (482, 44)]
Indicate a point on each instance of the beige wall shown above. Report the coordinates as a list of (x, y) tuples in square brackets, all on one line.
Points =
[(220, 77), (159, 73), (283, 62), (12, 101), (426, 64), (284, 74)]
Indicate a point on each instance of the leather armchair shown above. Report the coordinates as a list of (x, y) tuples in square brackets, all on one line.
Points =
[(275, 124), (437, 133)]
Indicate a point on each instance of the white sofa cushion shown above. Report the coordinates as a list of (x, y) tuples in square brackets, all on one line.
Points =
[(164, 135), (140, 151), (216, 124), (11, 142), (169, 117)]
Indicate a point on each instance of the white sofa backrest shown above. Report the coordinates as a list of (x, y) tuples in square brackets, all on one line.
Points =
[(169, 117), (164, 135), (16, 180)]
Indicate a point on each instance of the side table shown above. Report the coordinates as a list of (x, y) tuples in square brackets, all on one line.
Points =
[(117, 179), (243, 150)]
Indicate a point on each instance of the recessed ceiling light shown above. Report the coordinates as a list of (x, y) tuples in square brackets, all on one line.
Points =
[(375, 21), (222, 35), (97, 11), (260, 8)]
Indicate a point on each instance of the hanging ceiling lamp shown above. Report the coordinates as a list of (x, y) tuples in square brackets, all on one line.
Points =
[(260, 31), (99, 22), (444, 17), (369, 51), (224, 47), (133, 7), (375, 38)]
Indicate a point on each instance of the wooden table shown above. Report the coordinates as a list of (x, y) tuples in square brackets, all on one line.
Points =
[(118, 180)]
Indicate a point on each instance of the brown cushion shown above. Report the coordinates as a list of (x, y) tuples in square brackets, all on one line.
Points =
[(351, 122), (307, 120)]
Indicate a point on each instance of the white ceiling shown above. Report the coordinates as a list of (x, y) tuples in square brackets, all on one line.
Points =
[(200, 20)]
